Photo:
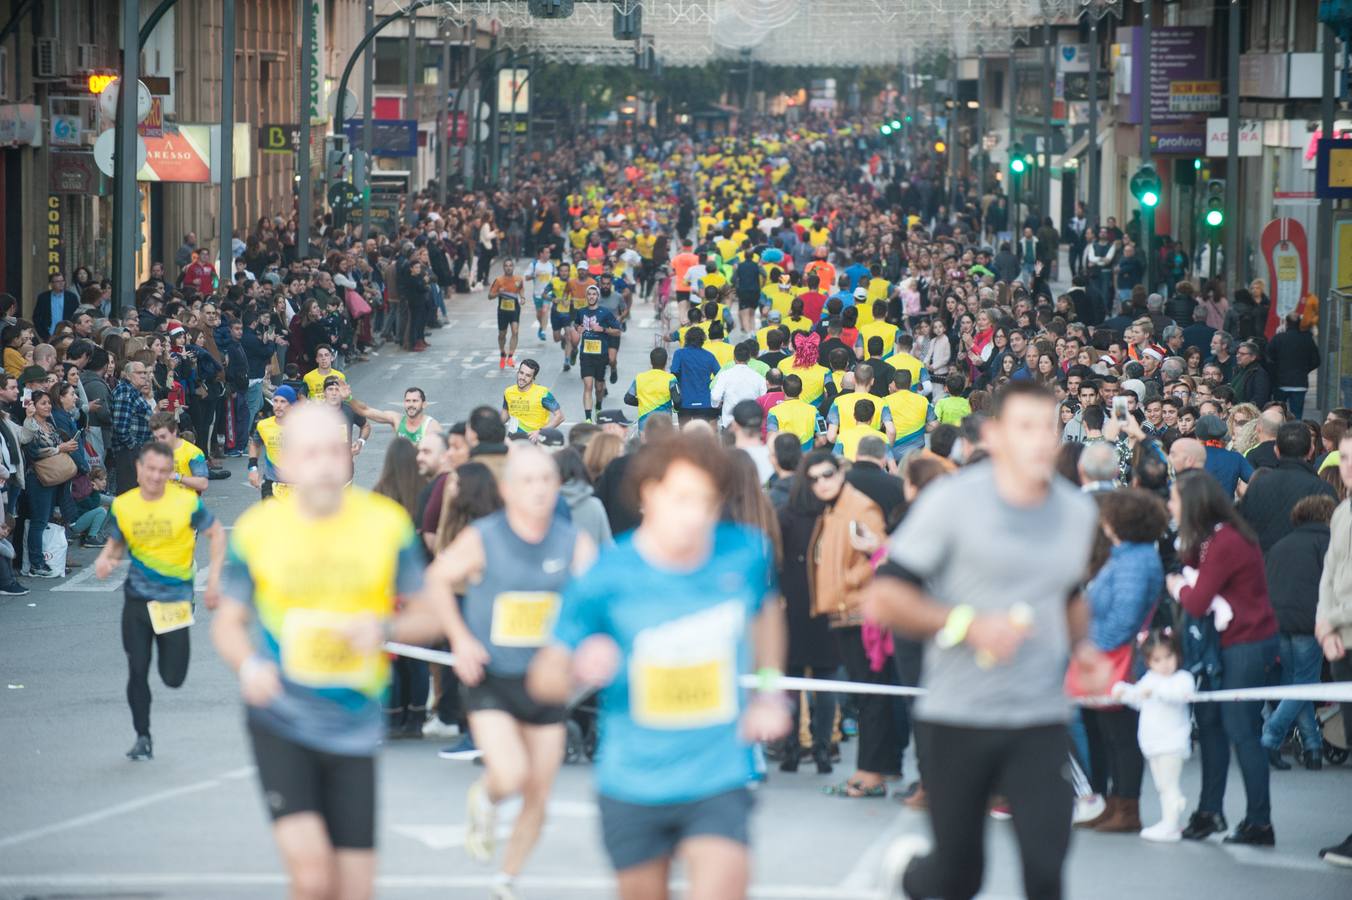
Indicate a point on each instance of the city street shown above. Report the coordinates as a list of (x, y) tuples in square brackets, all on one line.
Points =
[(77, 819)]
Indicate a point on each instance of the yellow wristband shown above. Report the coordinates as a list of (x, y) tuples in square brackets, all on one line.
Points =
[(955, 627)]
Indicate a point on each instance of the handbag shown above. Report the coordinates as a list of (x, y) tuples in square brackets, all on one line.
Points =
[(1119, 660), (55, 470)]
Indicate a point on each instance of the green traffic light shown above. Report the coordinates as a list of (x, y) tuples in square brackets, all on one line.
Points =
[(1150, 199), (1016, 166), (1214, 218), (896, 125), (908, 117), (1197, 164), (886, 129)]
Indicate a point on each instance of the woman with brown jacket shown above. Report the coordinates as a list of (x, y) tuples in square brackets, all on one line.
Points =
[(837, 573)]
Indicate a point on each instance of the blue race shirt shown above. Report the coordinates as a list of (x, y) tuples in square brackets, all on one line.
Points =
[(694, 368), (669, 721)]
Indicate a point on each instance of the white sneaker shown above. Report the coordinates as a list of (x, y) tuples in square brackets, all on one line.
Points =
[(896, 858), (435, 728), (1163, 832), (1089, 807), (479, 823)]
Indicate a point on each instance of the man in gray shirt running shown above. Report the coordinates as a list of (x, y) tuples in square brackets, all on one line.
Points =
[(1000, 608)]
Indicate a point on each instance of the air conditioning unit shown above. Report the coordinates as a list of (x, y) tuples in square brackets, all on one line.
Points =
[(44, 65), (550, 9), (84, 58)]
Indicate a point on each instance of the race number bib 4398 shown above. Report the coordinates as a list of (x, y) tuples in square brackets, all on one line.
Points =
[(506, 303), (317, 653), (524, 618), (167, 617), (683, 674)]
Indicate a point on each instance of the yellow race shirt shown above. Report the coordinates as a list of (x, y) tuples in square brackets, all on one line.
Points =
[(652, 389), (909, 413), (721, 350), (842, 410), (794, 417), (314, 382), (814, 378), (189, 460), (847, 443), (884, 330), (306, 585), (160, 536), (531, 408), (268, 434)]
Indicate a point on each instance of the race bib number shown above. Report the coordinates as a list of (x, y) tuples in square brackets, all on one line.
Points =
[(684, 674), (591, 346), (280, 489), (524, 618), (507, 303), (317, 653), (167, 617)]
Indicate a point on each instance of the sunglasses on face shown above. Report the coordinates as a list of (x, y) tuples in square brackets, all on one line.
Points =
[(815, 477)]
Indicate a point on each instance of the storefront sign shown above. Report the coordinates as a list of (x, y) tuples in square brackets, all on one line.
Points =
[(1333, 169), (315, 99), (513, 86), (65, 131), (153, 124), (1218, 137), (74, 172), (188, 155), (279, 138), (55, 248), (20, 124), (1177, 140), (1194, 96), (1286, 252)]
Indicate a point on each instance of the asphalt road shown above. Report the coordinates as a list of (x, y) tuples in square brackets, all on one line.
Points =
[(79, 820)]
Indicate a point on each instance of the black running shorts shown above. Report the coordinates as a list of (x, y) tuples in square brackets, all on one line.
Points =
[(508, 694), (299, 779)]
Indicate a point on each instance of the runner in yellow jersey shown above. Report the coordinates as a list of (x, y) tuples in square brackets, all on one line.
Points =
[(793, 416), (158, 524), (654, 392), (847, 442), (532, 405), (803, 363), (190, 463), (841, 415), (314, 379), (312, 685), (907, 416), (265, 445), (877, 326)]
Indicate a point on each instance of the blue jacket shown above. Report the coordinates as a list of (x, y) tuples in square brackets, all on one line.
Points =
[(1123, 593)]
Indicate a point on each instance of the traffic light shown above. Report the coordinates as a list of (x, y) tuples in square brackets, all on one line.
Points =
[(335, 157), (1018, 164), (140, 227), (885, 128), (1215, 203), (1145, 187), (908, 117), (896, 123), (940, 147)]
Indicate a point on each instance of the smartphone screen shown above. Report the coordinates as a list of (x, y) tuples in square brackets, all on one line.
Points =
[(1119, 407)]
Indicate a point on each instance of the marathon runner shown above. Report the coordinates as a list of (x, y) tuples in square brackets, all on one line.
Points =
[(414, 422), (532, 405), (157, 524), (190, 463), (337, 393), (560, 298), (510, 568), (312, 684), (616, 297), (665, 625), (654, 392), (506, 290), (323, 370), (593, 328), (265, 445), (540, 274)]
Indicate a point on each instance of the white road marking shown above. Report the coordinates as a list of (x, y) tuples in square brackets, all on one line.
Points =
[(864, 874), (118, 809), (585, 885), (84, 581)]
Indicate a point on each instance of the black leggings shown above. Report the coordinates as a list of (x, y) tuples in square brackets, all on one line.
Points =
[(1115, 761), (879, 746), (1026, 765), (137, 639)]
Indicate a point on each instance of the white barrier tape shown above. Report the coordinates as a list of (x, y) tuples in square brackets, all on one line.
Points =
[(1334, 692)]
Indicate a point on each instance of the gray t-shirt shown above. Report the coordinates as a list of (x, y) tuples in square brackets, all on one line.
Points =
[(969, 546)]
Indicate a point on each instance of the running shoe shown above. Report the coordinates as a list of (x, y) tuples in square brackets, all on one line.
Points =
[(1088, 807), (14, 590), (614, 374), (479, 822), (217, 474), (502, 363), (567, 365), (503, 888), (434, 727), (43, 571), (93, 542), (142, 749), (511, 362), (461, 749), (1000, 812), (540, 334), (234, 454), (1338, 854)]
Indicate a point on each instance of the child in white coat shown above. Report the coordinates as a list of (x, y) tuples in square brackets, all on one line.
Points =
[(1165, 729)]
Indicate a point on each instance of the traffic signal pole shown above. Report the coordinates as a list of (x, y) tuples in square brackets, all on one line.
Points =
[(1232, 238), (226, 218)]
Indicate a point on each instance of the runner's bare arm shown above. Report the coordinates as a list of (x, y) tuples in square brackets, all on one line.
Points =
[(550, 676), (109, 557), (449, 573), (216, 535)]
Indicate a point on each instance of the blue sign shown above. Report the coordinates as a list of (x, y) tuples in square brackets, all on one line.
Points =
[(389, 137), (1333, 169)]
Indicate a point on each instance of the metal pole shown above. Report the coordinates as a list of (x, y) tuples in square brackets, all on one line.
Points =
[(1329, 375), (981, 132), (511, 122), (1144, 83), (227, 214), (1233, 250), (303, 158), (1015, 221), (368, 79), (494, 126), (411, 111), (471, 110), (124, 161), (444, 116), (951, 142), (1092, 209), (1045, 165)]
